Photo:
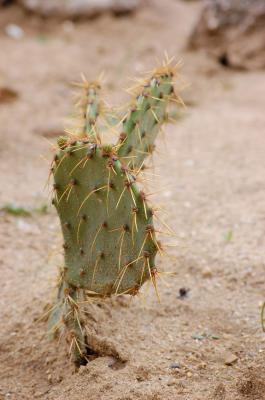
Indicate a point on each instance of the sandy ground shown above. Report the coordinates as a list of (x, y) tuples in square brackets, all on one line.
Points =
[(211, 175)]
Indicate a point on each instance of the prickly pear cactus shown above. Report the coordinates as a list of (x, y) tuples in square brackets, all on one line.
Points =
[(109, 237)]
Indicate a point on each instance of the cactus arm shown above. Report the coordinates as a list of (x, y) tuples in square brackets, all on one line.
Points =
[(143, 122), (90, 107)]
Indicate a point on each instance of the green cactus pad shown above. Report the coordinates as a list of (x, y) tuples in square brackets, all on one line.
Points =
[(90, 108), (109, 239), (143, 122)]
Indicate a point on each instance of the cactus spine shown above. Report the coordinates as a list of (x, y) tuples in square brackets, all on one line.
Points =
[(109, 238)]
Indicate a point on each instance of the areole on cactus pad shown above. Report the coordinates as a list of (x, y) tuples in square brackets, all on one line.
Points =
[(109, 236)]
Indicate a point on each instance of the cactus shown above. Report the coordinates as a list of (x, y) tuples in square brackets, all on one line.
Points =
[(109, 238)]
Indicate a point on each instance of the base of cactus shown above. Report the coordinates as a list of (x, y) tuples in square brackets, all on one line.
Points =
[(67, 320)]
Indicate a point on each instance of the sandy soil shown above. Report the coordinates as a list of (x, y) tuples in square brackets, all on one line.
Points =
[(211, 175)]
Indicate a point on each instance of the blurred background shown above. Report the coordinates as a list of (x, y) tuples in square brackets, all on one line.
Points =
[(45, 45), (210, 171)]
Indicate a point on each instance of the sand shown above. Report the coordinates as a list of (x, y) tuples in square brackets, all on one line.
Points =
[(210, 177)]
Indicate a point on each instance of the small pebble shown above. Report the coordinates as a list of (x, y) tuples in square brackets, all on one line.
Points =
[(59, 378), (175, 365), (14, 31), (214, 337), (207, 272), (82, 369), (202, 365), (172, 382), (198, 337), (230, 359), (189, 374), (189, 163), (183, 293)]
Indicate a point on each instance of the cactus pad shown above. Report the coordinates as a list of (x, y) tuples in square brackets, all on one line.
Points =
[(148, 112), (109, 238)]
